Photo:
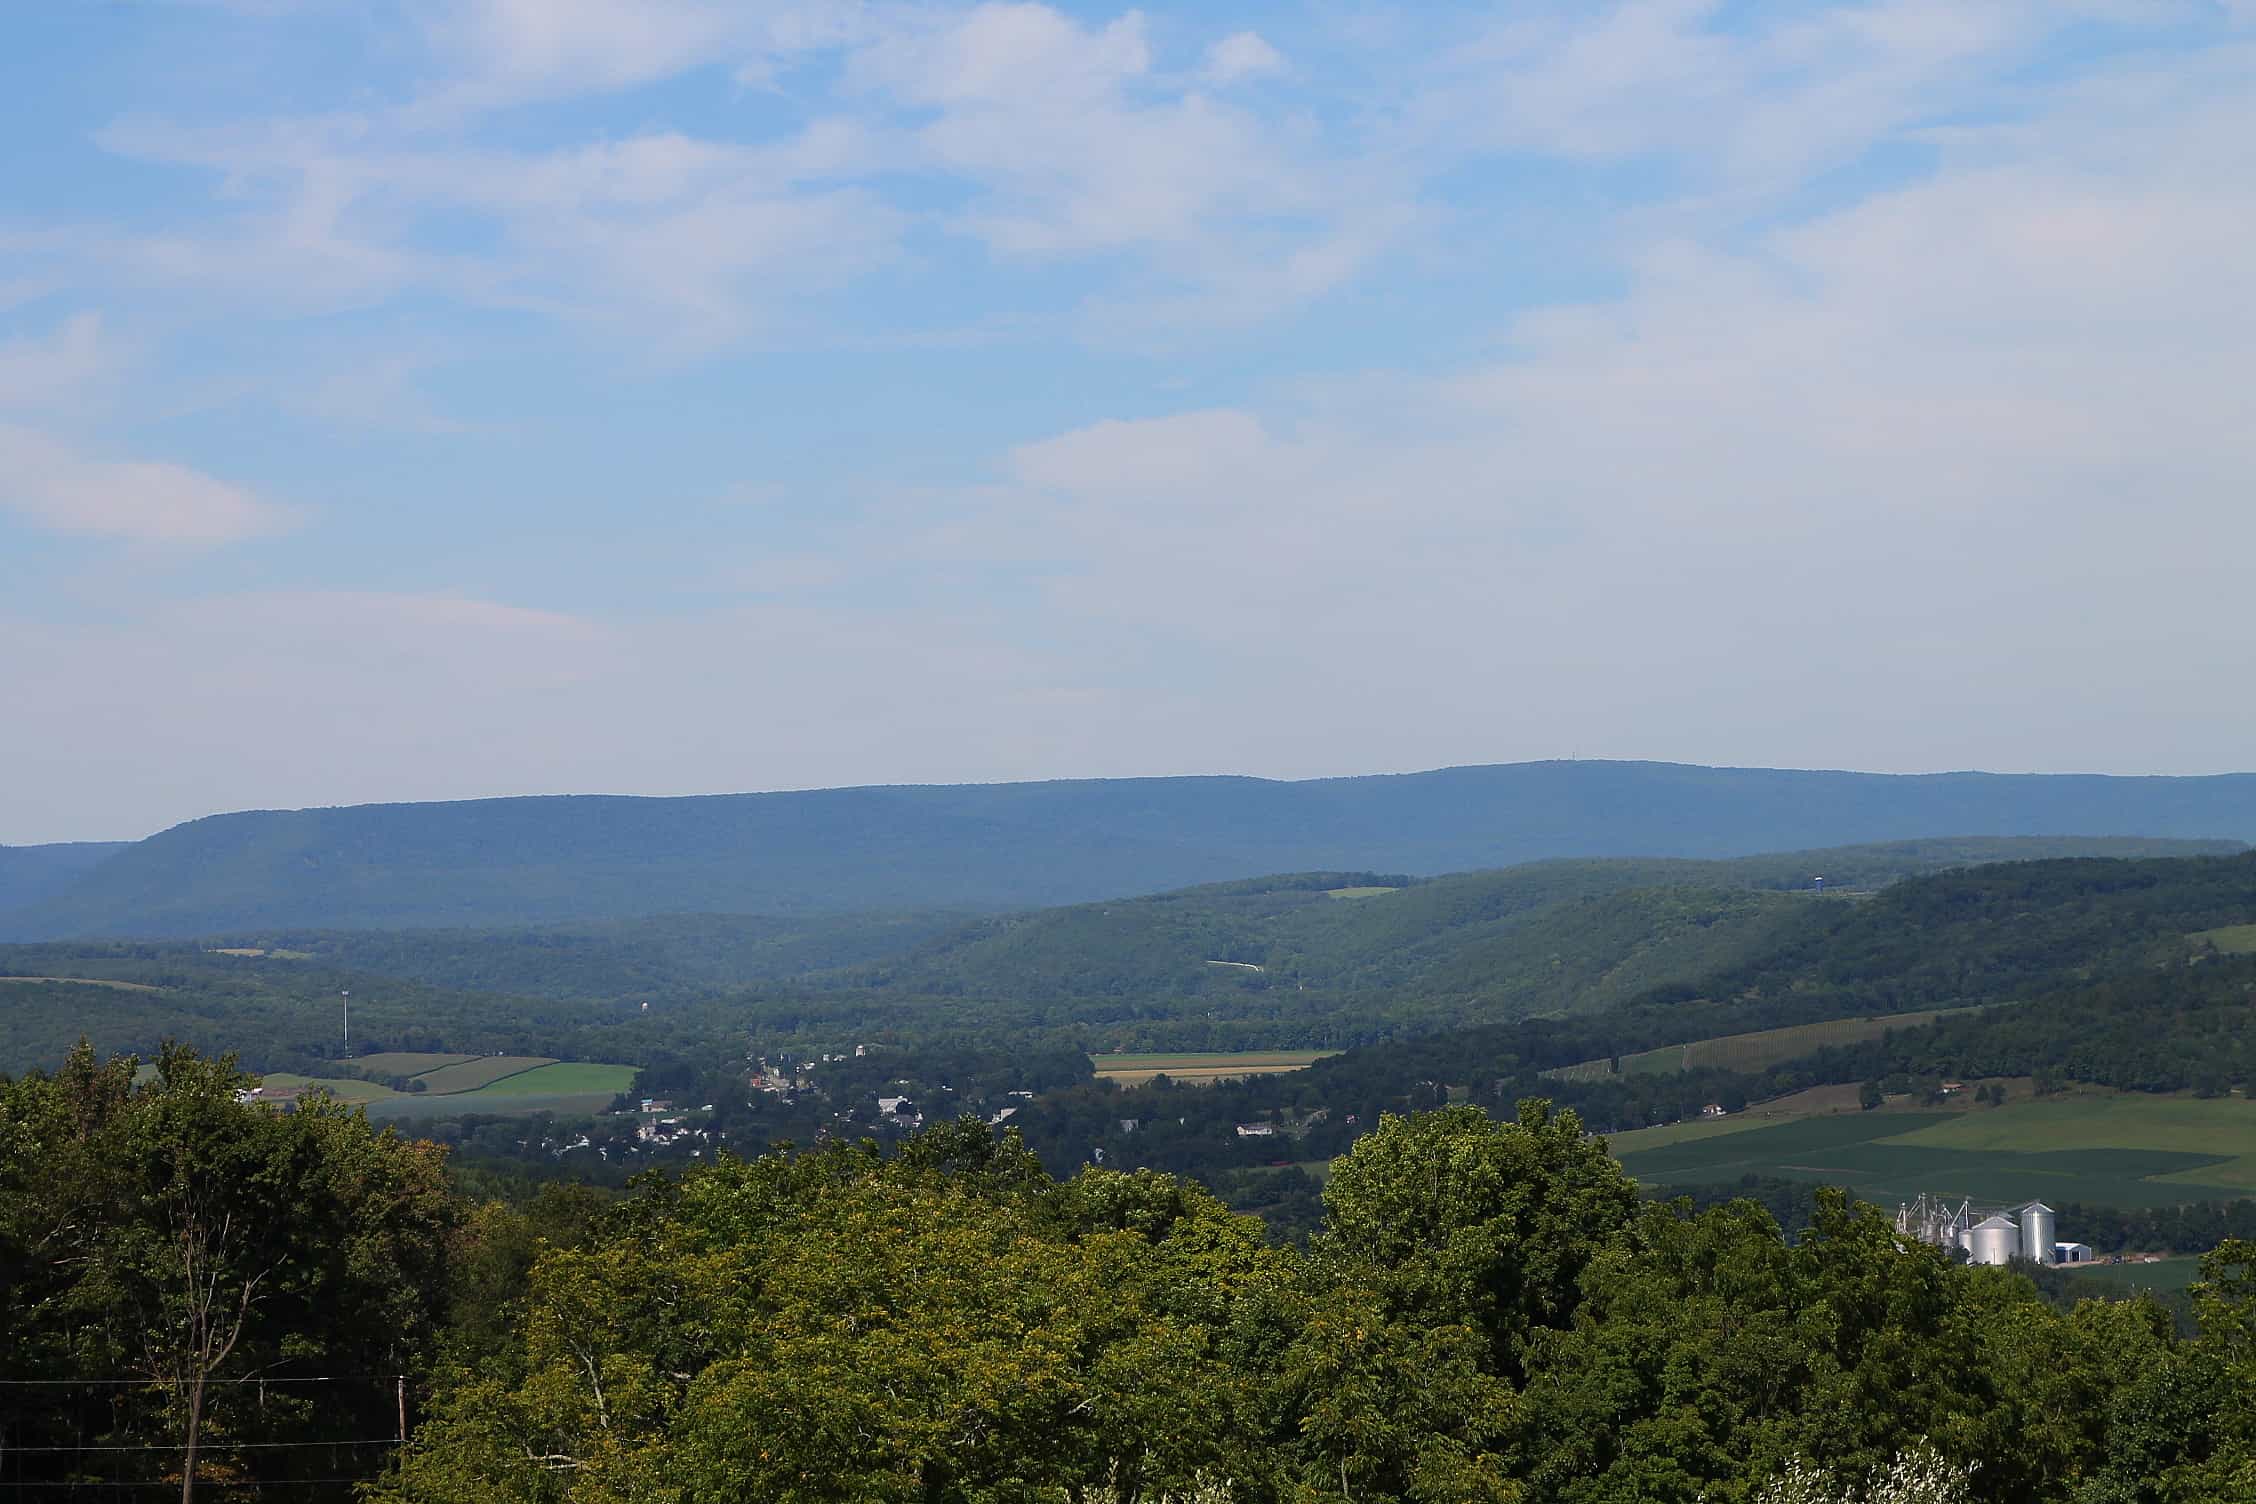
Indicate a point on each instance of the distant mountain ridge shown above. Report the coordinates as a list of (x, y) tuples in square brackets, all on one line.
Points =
[(1023, 845), (30, 873)]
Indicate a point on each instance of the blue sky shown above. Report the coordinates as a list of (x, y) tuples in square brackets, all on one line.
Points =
[(429, 400)]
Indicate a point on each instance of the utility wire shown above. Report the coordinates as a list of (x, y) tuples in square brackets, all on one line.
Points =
[(214, 1446), (327, 1378)]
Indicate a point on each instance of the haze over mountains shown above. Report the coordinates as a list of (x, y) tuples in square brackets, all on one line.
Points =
[(998, 846)]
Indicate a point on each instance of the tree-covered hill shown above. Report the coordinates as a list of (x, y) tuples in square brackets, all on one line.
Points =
[(1507, 932), (1001, 846), (1540, 938), (2096, 970), (30, 873)]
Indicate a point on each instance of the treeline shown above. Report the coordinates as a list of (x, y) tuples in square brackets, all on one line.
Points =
[(198, 1289), (2186, 1026)]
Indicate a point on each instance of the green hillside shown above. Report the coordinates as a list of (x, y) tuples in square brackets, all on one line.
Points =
[(30, 873), (665, 956), (2053, 972), (482, 863), (1541, 938)]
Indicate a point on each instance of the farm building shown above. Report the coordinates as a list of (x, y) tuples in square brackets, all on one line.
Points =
[(2071, 1253), (1994, 1240)]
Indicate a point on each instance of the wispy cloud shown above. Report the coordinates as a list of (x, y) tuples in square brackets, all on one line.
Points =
[(143, 501)]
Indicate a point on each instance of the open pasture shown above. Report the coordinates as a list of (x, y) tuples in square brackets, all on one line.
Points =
[(406, 1062), (1746, 1052), (1358, 892), (1201, 1069), (2219, 1132), (2114, 1281), (479, 1071), (2232, 940), (2116, 1150), (91, 982), (563, 1086), (343, 1088)]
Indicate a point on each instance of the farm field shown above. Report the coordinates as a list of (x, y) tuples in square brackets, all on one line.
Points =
[(559, 1077), (1358, 892), (2163, 1278), (567, 1086), (406, 1062), (90, 982), (2107, 1149), (472, 1083), (1746, 1052), (480, 1070), (343, 1088), (2232, 940), (2221, 1130), (1200, 1069)]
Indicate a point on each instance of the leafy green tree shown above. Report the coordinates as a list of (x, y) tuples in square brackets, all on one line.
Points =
[(213, 1251), (1462, 1220)]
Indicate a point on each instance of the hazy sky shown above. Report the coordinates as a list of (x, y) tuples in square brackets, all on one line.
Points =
[(459, 397)]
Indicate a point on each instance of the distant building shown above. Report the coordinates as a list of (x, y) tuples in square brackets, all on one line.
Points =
[(1994, 1240), (1713, 1110), (1130, 1125), (1256, 1130), (2071, 1253)]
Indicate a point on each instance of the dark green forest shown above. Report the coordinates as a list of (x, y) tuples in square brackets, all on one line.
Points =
[(290, 1304)]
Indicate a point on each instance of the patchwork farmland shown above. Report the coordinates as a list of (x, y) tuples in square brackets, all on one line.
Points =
[(442, 1084), (2110, 1149), (1203, 1069)]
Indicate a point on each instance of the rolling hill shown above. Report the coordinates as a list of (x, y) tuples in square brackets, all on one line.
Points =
[(30, 873), (1301, 960), (1001, 846)]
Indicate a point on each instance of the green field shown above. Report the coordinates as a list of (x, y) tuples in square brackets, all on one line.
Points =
[(2113, 1281), (1746, 1052), (483, 1071), (565, 1086), (343, 1088), (2117, 1150), (90, 982), (2220, 1132), (471, 1083), (1198, 1069), (2232, 940), (1358, 892), (406, 1062), (558, 1078)]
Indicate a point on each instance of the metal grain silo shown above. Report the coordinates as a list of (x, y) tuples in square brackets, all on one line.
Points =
[(2036, 1232), (1995, 1240)]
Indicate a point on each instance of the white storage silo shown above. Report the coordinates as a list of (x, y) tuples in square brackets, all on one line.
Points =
[(2036, 1232), (1995, 1240)]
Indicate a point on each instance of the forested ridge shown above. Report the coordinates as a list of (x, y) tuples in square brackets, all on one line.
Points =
[(2085, 970), (486, 862), (1487, 1313)]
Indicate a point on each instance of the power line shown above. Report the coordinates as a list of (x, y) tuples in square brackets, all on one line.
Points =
[(174, 1483), (211, 1446), (327, 1378)]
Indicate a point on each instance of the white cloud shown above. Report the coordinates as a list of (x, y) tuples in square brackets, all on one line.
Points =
[(56, 488), (1242, 55), (1952, 476), (38, 371), (503, 52)]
